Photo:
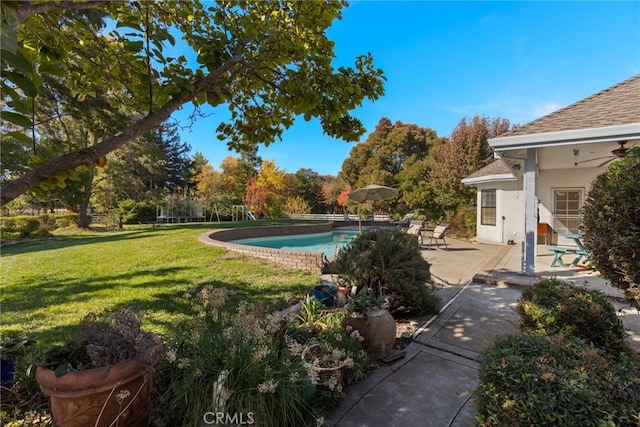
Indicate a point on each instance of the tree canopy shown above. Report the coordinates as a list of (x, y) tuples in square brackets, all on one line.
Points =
[(466, 151), (393, 155), (268, 62)]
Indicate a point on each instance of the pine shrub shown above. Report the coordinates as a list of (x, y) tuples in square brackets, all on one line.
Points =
[(388, 261)]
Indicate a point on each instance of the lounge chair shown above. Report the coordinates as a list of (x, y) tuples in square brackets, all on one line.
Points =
[(415, 229), (439, 234), (404, 222)]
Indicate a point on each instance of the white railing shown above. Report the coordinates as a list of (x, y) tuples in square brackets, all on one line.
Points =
[(338, 217)]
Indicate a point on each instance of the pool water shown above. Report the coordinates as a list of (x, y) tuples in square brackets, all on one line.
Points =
[(328, 242)]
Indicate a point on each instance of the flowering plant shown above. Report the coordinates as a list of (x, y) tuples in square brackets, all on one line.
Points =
[(248, 359)]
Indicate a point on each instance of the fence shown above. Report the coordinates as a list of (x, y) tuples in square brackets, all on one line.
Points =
[(339, 217)]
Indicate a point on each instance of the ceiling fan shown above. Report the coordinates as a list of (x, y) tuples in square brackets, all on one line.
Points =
[(617, 153)]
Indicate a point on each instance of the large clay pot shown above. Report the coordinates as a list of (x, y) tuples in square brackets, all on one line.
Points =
[(97, 397), (378, 328)]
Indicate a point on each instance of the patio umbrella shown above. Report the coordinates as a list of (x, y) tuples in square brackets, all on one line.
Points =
[(372, 192)]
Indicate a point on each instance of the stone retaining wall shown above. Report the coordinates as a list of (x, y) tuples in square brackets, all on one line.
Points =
[(310, 261)]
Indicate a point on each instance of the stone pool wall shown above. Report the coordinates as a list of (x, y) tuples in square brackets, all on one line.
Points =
[(310, 261)]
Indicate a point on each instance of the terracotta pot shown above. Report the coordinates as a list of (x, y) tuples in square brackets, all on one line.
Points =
[(326, 374), (97, 397), (378, 328), (341, 295)]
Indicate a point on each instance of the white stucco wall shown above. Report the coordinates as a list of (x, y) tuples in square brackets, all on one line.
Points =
[(509, 203), (550, 180)]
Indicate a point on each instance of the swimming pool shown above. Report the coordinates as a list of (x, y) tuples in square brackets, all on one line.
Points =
[(327, 242)]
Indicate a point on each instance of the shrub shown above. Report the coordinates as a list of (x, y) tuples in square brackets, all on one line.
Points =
[(464, 221), (134, 212), (611, 224), (296, 205), (388, 261), (46, 224), (30, 227), (552, 306), (248, 362), (68, 220), (531, 380)]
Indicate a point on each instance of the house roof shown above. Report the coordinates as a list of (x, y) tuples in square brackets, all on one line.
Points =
[(498, 170), (611, 115), (616, 105)]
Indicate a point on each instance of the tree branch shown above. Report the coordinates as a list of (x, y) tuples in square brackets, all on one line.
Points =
[(36, 176), (27, 9)]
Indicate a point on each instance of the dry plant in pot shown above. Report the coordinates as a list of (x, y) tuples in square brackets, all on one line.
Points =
[(105, 375)]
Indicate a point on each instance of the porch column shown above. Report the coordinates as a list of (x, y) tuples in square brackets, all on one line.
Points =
[(530, 220)]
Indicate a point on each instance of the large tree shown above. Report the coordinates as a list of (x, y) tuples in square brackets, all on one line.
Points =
[(393, 155), (308, 186), (466, 151), (268, 62)]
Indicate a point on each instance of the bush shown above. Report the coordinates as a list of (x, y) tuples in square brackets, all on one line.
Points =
[(464, 221), (530, 380), (249, 362), (135, 212), (611, 224), (30, 227), (551, 307), (388, 261)]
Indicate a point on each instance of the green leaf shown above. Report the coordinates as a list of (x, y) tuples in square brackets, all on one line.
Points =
[(16, 118), (8, 39), (9, 91), (133, 46), (50, 68), (17, 61), (21, 106), (24, 83), (20, 137)]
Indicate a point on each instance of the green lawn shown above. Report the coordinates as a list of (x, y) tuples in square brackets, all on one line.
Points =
[(49, 286)]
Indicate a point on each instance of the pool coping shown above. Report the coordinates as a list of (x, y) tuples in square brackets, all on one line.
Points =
[(310, 261)]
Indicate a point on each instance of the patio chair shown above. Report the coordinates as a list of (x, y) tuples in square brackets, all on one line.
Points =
[(415, 229), (404, 222), (439, 234)]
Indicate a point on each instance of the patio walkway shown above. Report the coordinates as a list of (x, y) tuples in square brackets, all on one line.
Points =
[(432, 384)]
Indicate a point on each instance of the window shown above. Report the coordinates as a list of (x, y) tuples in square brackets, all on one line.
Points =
[(567, 203), (488, 207)]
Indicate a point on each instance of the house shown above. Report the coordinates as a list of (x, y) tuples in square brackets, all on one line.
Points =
[(543, 170)]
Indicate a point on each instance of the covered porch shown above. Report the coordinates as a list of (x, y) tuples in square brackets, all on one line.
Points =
[(552, 162)]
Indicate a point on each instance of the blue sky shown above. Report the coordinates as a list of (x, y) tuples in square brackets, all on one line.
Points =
[(447, 60)]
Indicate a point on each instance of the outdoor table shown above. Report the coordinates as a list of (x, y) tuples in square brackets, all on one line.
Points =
[(581, 252)]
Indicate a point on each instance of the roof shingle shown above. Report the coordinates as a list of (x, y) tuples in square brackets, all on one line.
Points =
[(497, 167), (616, 105)]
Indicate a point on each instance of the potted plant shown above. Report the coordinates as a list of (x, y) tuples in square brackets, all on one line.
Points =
[(11, 347), (384, 265), (368, 315), (104, 375)]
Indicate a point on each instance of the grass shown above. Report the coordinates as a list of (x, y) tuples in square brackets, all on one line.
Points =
[(48, 286)]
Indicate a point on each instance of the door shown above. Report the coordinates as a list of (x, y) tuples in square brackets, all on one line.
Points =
[(566, 209)]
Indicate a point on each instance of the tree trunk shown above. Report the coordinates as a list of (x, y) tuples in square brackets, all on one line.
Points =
[(83, 217)]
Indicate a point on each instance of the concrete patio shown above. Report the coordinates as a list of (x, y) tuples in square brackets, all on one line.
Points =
[(432, 385)]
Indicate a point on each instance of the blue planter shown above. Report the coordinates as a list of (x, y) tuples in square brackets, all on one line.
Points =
[(8, 370), (325, 293)]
